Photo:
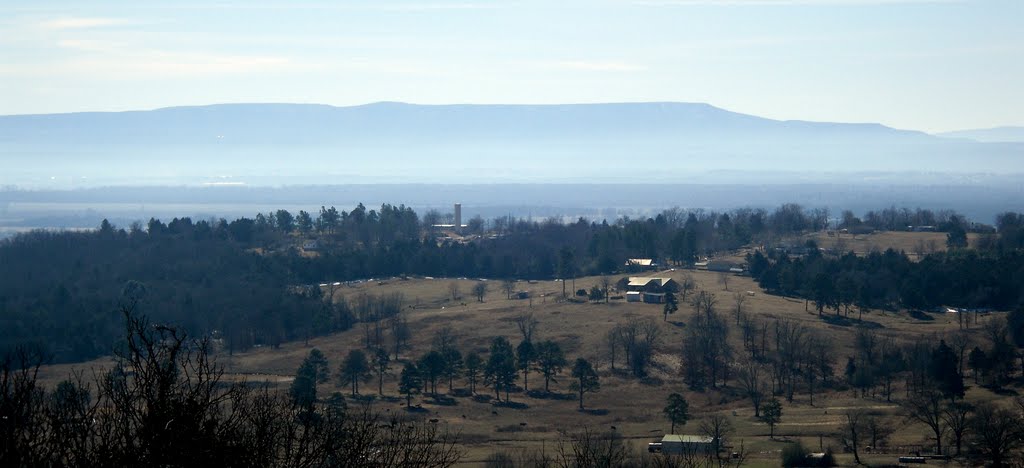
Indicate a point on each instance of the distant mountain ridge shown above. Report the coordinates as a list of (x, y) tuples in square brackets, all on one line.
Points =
[(317, 123), (989, 135), (390, 142)]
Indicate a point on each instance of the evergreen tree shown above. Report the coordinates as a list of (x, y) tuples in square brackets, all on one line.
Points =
[(550, 360), (382, 362), (671, 305), (303, 388), (944, 371), (473, 368), (410, 382), (501, 371), (771, 414), (319, 362), (525, 357), (432, 366), (677, 410), (355, 368), (586, 377)]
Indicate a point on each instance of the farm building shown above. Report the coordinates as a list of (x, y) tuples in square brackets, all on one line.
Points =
[(678, 444), (640, 264), (654, 298), (650, 284), (633, 296), (724, 266)]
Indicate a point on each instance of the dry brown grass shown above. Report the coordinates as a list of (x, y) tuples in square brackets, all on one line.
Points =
[(632, 407), (912, 243)]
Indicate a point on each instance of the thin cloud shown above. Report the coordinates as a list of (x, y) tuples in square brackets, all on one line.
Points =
[(83, 23), (608, 66), (787, 2)]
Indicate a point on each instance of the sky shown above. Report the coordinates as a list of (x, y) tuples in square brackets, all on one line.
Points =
[(931, 65)]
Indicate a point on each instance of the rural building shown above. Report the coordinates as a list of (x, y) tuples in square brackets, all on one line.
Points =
[(654, 298), (650, 284), (311, 245), (678, 444), (641, 264), (633, 296), (724, 266)]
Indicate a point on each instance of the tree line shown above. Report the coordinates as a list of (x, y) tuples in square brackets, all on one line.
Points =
[(890, 280), (237, 280)]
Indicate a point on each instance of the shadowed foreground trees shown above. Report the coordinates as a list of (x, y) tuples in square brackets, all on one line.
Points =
[(166, 403)]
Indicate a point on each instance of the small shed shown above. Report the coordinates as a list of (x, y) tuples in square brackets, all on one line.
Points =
[(633, 296), (654, 298)]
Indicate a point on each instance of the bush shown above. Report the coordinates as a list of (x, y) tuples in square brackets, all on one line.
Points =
[(794, 455), (499, 460)]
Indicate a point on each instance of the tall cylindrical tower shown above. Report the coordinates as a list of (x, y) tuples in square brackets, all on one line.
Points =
[(458, 215)]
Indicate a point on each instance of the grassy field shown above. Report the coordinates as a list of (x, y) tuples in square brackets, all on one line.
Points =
[(913, 243), (631, 407)]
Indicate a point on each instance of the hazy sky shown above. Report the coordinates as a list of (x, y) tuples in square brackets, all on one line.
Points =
[(931, 65)]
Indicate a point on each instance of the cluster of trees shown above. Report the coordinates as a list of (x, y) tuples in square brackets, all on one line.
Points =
[(586, 447), (902, 219), (636, 340), (994, 433), (890, 280), (444, 363), (165, 403), (57, 289)]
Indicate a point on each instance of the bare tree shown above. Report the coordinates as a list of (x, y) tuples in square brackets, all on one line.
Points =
[(480, 290), (686, 286), (509, 286), (723, 279), (752, 383), (704, 303), (957, 418), (740, 299), (606, 285), (853, 431), (589, 448), (444, 339), (527, 325), (960, 341), (879, 429), (718, 428), (997, 433), (612, 342), (400, 333), (927, 408)]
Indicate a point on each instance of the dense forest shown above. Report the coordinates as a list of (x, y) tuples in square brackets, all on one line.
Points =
[(250, 282)]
